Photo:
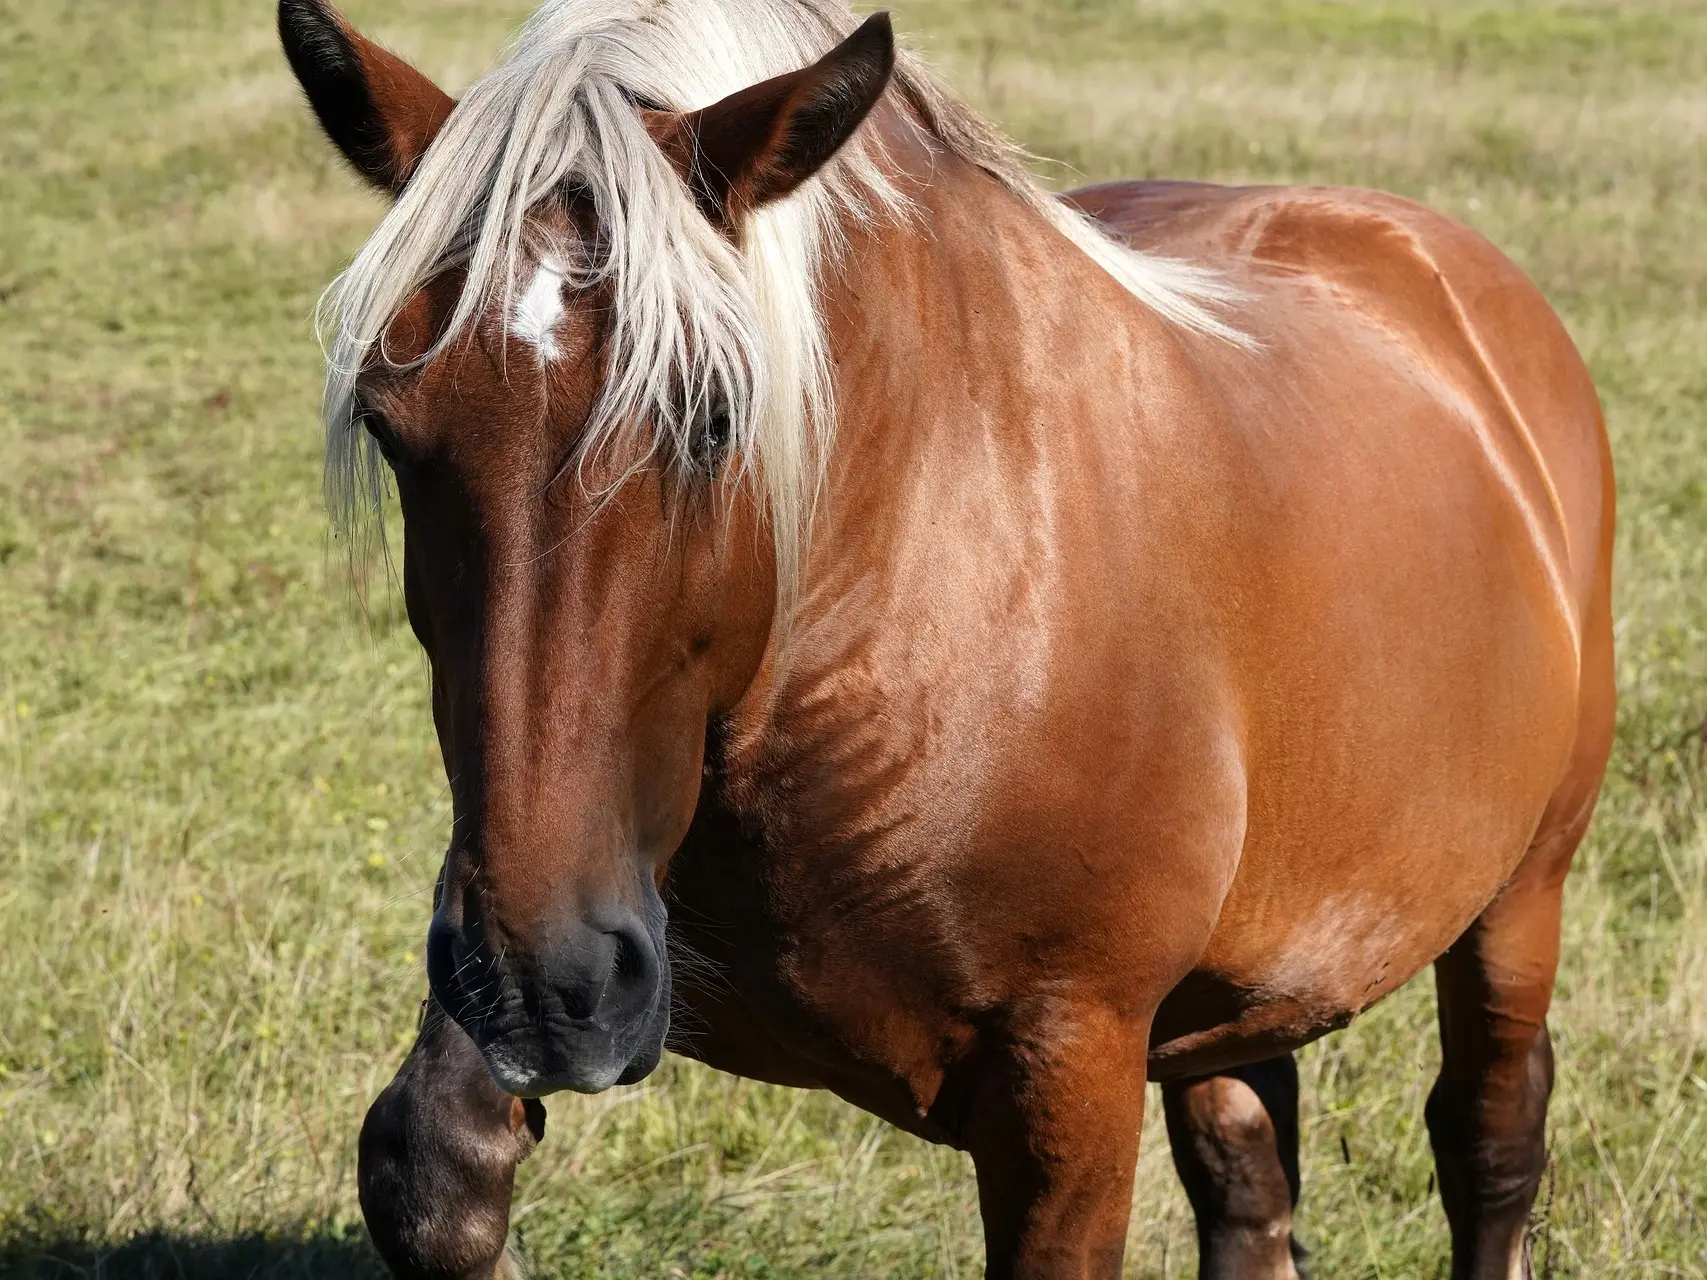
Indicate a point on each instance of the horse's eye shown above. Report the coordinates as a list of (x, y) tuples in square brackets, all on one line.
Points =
[(713, 436), (380, 432)]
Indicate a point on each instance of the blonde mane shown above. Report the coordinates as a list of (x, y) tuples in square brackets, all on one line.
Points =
[(695, 320)]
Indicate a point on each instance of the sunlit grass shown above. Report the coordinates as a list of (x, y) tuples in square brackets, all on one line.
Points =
[(220, 801)]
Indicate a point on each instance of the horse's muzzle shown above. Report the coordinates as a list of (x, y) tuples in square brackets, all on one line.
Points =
[(588, 1009)]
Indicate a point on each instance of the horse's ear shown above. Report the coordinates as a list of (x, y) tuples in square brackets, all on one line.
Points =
[(757, 145), (377, 109)]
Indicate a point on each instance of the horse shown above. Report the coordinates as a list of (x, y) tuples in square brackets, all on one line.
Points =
[(1023, 647)]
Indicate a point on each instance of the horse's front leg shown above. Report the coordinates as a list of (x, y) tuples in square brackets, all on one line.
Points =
[(1235, 1143), (439, 1151), (1052, 1125)]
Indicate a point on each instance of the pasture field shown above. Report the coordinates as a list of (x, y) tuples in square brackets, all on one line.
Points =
[(221, 806)]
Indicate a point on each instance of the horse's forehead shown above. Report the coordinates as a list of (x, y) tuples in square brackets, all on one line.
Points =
[(436, 392), (422, 318), (538, 310), (533, 313)]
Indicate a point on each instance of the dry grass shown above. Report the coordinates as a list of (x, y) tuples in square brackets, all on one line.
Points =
[(220, 803)]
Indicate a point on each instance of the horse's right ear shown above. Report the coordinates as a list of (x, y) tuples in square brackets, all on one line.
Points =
[(377, 109), (759, 144)]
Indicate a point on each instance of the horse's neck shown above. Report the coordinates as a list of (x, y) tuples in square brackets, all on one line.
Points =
[(958, 346), (959, 337)]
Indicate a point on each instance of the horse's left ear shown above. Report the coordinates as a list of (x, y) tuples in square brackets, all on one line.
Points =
[(377, 109), (757, 145)]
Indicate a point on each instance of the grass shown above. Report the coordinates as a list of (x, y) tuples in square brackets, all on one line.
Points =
[(220, 800)]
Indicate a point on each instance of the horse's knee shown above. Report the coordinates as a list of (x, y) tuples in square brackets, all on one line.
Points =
[(1234, 1138), (437, 1162), (1225, 1122)]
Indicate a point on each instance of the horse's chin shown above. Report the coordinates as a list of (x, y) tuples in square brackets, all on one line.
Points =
[(530, 1063)]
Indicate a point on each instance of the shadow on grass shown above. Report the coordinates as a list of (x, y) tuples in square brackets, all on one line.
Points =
[(171, 1257)]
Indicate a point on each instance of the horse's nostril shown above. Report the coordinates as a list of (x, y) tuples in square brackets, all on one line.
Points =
[(602, 968), (463, 973), (471, 964), (598, 973), (630, 962)]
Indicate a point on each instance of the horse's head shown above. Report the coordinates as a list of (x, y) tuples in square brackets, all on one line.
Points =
[(587, 611)]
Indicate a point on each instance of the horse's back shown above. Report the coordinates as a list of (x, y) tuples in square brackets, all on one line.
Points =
[(1330, 270)]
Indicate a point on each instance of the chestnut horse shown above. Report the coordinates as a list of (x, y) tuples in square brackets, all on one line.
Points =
[(1025, 648)]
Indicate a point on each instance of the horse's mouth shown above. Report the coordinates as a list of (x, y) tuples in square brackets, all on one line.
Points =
[(529, 1055)]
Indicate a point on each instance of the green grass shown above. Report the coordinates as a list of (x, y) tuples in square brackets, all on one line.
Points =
[(220, 799)]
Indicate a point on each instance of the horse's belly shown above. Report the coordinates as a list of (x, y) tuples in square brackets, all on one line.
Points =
[(1285, 986)]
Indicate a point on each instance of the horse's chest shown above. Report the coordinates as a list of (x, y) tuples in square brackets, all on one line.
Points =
[(854, 992)]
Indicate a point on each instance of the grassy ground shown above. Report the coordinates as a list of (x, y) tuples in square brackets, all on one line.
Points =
[(220, 802)]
